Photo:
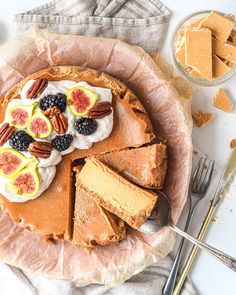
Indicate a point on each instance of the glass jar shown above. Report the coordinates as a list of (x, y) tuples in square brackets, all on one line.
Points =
[(181, 70)]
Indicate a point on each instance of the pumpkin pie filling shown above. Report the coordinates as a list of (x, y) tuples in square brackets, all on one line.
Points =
[(114, 193), (150, 160)]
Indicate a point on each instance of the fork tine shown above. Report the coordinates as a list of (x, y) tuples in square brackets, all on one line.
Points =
[(195, 173), (204, 169), (202, 176), (208, 175), (204, 181), (199, 175)]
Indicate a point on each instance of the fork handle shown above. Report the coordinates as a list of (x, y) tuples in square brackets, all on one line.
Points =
[(221, 256), (194, 251), (170, 282)]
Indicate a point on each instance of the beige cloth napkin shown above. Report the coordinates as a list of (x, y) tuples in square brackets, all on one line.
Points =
[(148, 282), (138, 22)]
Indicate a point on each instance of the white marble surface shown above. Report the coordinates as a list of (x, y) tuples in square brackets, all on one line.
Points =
[(208, 275)]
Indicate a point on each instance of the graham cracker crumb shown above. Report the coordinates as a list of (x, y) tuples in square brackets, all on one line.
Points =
[(233, 143), (202, 118)]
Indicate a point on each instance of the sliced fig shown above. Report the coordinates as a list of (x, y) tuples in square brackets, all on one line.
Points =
[(81, 100), (11, 162), (19, 115), (26, 182), (39, 126)]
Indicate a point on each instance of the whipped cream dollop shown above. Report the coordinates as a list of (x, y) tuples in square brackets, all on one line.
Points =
[(46, 167)]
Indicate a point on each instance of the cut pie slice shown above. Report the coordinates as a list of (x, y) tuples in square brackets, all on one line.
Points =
[(145, 166), (116, 194), (92, 223), (50, 214)]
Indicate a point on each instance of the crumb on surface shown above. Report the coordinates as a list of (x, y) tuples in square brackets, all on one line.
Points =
[(202, 118), (222, 101), (233, 143), (48, 240)]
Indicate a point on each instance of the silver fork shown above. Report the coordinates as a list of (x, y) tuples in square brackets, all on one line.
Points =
[(199, 184)]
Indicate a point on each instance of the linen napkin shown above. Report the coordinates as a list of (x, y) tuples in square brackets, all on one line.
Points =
[(138, 22), (148, 282)]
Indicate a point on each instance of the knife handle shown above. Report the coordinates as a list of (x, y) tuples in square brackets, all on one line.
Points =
[(194, 250)]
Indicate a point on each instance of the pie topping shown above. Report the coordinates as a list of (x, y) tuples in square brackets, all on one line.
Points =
[(55, 111)]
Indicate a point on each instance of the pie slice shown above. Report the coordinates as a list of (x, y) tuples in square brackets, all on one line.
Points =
[(145, 166), (116, 194), (50, 214), (93, 225)]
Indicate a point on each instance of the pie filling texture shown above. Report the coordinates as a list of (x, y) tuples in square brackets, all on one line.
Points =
[(116, 194), (51, 214)]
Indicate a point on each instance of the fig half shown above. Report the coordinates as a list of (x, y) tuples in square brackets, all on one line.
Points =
[(11, 162), (81, 100), (19, 115), (39, 126), (26, 182)]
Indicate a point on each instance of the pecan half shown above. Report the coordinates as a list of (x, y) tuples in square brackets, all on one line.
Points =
[(40, 149), (59, 123), (51, 112), (6, 132), (37, 88), (100, 110)]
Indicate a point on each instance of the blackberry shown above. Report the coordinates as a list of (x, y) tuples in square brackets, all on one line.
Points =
[(85, 126), (53, 100), (20, 141), (62, 142)]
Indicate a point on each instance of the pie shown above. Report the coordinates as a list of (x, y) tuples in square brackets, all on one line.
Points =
[(51, 214)]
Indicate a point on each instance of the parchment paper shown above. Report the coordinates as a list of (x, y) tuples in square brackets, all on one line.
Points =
[(170, 115)]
